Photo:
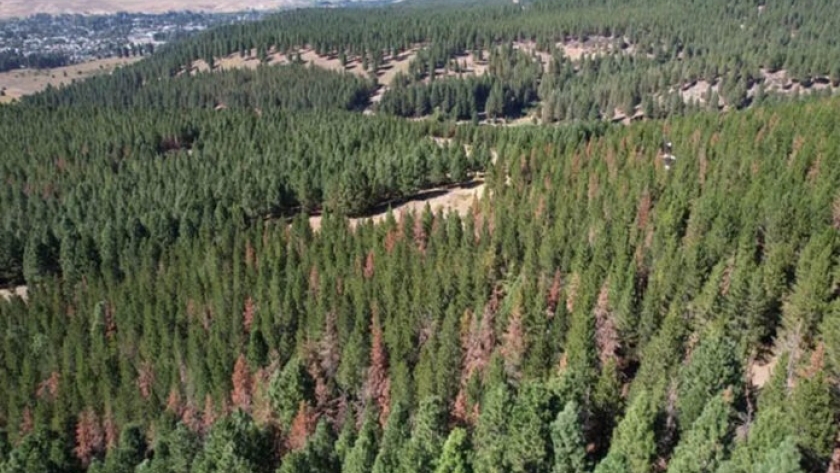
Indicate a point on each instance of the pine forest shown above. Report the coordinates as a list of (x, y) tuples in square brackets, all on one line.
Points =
[(235, 260)]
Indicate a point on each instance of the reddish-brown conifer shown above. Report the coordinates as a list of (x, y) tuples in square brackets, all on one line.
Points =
[(370, 265), (554, 294), (606, 334), (145, 379), (90, 439), (241, 379), (378, 382), (49, 387), (208, 415), (112, 433), (302, 427), (248, 315)]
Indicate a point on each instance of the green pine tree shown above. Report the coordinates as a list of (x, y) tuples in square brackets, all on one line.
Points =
[(567, 438), (455, 457), (704, 445)]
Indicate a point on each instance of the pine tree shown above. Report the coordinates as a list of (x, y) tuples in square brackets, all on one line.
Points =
[(378, 389), (528, 444), (812, 408), (491, 433), (347, 436), (785, 458), (129, 453), (455, 457), (361, 457), (830, 331), (241, 380), (176, 451), (495, 106), (713, 367), (607, 404), (811, 293), (394, 438), (613, 463), (318, 456), (567, 438), (423, 448), (634, 439), (288, 389), (234, 444), (703, 447)]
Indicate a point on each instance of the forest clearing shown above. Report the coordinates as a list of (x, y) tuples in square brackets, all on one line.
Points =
[(18, 83)]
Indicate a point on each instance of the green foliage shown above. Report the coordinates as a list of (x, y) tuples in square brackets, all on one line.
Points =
[(567, 439), (129, 453), (830, 330), (394, 438), (361, 457), (428, 431), (289, 88), (703, 447), (529, 441), (634, 443), (713, 367), (492, 431), (288, 388), (175, 452), (813, 411), (613, 463), (235, 444), (810, 298), (162, 249), (318, 456), (785, 458), (455, 457), (41, 450)]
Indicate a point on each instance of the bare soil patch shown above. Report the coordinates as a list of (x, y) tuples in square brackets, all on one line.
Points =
[(778, 82), (235, 61), (19, 291), (457, 198), (781, 82), (332, 62), (21, 82), (470, 64), (575, 49), (761, 370), (391, 65), (395, 65), (385, 74)]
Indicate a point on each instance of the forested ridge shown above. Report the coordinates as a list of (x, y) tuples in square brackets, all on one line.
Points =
[(600, 309)]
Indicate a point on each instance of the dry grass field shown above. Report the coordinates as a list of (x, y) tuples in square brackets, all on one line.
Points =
[(23, 8), (17, 83)]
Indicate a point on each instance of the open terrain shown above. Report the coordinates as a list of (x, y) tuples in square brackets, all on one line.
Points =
[(23, 8), (458, 198), (19, 291), (17, 83)]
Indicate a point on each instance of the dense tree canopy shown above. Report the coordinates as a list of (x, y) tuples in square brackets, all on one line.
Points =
[(595, 310)]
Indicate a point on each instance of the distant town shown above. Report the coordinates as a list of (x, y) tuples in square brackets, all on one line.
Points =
[(46, 41)]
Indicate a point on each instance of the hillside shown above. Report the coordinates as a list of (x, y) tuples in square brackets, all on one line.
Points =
[(235, 259)]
